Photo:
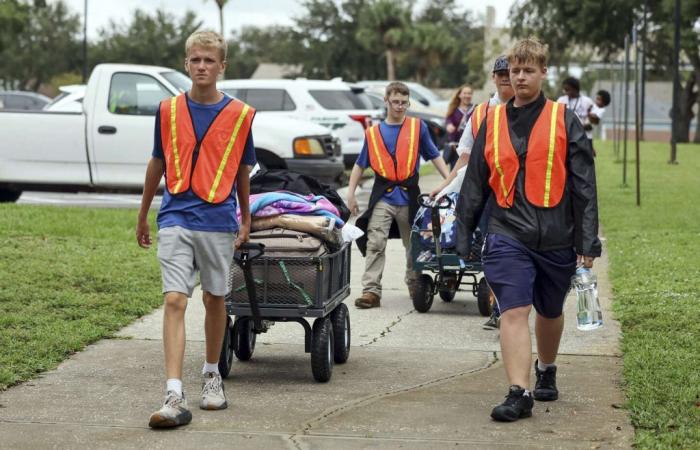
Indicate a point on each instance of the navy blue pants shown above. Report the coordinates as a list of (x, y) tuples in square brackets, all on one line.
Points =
[(520, 276)]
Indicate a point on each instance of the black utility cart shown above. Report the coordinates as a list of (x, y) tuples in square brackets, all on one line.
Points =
[(266, 289)]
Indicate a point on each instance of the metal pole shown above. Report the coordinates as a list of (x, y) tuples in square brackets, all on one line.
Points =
[(636, 113), (625, 112), (644, 67), (613, 89), (85, 61), (676, 79)]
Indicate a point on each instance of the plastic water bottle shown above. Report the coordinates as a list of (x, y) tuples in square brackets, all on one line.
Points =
[(588, 313)]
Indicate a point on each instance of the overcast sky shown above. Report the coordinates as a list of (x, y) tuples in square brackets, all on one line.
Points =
[(237, 13)]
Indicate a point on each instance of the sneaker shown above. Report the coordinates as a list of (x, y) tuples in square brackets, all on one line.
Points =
[(517, 405), (213, 396), (546, 385), (491, 324), (173, 413)]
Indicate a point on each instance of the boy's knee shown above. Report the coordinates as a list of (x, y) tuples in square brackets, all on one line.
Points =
[(175, 302)]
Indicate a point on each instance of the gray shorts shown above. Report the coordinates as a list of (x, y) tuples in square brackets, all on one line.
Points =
[(182, 252)]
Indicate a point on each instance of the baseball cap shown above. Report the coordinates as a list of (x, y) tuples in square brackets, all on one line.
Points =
[(501, 64)]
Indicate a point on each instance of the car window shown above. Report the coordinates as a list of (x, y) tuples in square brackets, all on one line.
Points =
[(177, 79), (235, 93), (135, 94), (337, 99), (267, 99), (13, 101)]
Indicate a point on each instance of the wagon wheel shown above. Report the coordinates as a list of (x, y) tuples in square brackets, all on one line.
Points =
[(423, 294), (243, 338), (226, 356), (483, 298), (322, 349), (340, 318)]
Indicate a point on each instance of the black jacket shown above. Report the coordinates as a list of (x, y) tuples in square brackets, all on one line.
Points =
[(572, 223)]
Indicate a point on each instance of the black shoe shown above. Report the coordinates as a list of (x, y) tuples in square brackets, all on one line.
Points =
[(546, 386), (491, 324), (516, 406)]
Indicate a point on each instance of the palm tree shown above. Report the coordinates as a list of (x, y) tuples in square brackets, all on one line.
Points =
[(221, 4), (383, 25)]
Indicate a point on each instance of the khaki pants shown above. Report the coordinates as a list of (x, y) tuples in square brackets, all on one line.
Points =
[(377, 236)]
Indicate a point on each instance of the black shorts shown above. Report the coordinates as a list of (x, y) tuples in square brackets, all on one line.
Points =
[(519, 276)]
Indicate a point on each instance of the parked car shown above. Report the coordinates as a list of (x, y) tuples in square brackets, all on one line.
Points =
[(106, 145), (22, 100), (435, 123), (427, 100), (331, 103), (69, 99)]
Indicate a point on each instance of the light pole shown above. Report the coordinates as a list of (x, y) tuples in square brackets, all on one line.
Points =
[(676, 79), (85, 61)]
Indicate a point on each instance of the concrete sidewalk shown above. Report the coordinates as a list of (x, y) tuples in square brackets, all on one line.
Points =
[(412, 381)]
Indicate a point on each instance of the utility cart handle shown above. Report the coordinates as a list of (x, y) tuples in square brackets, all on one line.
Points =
[(427, 201), (243, 256)]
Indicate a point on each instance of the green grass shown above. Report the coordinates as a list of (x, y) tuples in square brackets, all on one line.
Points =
[(655, 272), (68, 277)]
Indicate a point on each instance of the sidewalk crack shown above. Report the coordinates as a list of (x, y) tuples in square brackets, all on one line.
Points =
[(388, 329)]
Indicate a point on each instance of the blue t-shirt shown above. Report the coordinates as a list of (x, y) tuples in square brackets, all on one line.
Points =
[(390, 135), (186, 209)]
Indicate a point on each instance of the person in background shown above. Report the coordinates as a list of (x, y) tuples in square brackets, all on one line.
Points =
[(596, 111), (458, 112), (579, 104), (393, 149)]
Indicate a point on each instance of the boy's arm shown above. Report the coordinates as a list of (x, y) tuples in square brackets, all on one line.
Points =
[(461, 162), (243, 190), (154, 172), (440, 165), (355, 176)]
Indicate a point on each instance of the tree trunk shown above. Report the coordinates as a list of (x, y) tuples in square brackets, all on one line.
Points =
[(221, 22), (685, 113), (390, 70)]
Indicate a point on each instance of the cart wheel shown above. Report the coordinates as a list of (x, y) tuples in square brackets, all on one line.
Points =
[(322, 349), (447, 296), (340, 318), (243, 338), (483, 298), (423, 294), (226, 356)]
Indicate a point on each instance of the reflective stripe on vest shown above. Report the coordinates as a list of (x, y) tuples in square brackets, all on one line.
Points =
[(403, 164), (545, 160), (477, 117), (220, 150)]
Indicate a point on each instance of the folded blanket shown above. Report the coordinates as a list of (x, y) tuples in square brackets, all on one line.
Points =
[(282, 202)]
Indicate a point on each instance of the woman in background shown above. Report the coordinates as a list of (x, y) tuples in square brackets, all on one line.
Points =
[(458, 113)]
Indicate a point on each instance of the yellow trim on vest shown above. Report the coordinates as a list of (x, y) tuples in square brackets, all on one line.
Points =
[(410, 149), (376, 150), (479, 110), (173, 136), (227, 153), (550, 154), (496, 129)]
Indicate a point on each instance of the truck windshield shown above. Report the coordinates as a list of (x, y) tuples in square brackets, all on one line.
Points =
[(338, 99), (180, 81)]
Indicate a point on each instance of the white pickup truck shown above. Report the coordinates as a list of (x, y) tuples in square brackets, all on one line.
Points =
[(107, 145)]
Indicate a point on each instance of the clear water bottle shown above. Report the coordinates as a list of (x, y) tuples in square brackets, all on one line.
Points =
[(588, 313)]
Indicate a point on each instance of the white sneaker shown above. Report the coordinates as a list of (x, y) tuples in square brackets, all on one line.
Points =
[(213, 396), (173, 413)]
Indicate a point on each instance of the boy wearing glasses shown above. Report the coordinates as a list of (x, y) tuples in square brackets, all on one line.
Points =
[(393, 150)]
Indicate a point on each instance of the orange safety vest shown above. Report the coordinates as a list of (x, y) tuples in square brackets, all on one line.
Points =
[(545, 161), (220, 150), (478, 117), (402, 165)]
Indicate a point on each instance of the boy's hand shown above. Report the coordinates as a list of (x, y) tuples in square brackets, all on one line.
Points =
[(586, 260), (143, 234), (353, 206), (243, 236)]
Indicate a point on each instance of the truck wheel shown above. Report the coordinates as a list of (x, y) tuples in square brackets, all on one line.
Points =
[(322, 349), (423, 294), (340, 318), (243, 338), (226, 356), (483, 298), (8, 195)]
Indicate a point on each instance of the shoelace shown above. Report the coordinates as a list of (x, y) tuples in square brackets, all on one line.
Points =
[(173, 400), (212, 386)]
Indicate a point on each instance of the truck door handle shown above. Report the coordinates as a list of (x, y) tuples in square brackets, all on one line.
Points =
[(107, 129)]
